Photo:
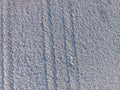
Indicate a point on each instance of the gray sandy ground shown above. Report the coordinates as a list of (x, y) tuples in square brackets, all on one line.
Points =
[(59, 44)]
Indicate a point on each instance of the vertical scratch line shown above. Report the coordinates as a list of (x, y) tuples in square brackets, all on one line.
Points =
[(52, 45)]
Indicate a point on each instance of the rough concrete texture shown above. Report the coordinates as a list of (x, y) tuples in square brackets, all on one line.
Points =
[(59, 44)]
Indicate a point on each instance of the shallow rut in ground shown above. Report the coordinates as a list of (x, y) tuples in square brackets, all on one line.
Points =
[(59, 45)]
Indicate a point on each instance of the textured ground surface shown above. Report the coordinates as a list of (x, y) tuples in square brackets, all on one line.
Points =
[(59, 44)]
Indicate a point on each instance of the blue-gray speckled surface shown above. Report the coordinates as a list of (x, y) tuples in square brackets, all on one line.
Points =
[(59, 44)]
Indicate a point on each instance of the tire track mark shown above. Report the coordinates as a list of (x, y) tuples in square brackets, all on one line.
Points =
[(67, 45), (44, 52), (7, 44), (57, 27), (52, 51), (73, 42), (65, 50), (47, 49)]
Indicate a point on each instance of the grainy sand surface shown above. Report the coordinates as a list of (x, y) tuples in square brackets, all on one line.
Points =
[(59, 44)]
